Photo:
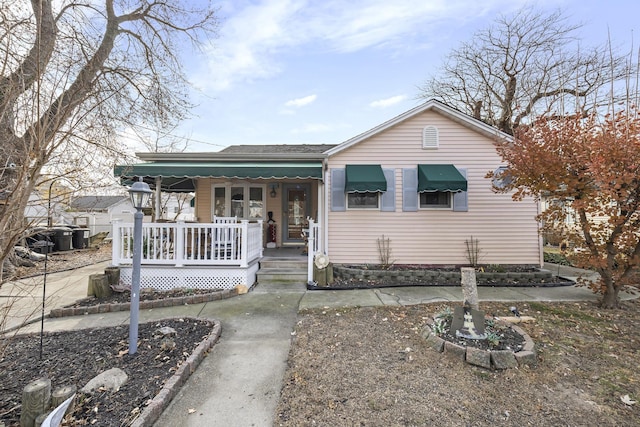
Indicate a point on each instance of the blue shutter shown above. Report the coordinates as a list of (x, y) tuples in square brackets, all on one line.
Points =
[(338, 199), (388, 198), (410, 190), (461, 199)]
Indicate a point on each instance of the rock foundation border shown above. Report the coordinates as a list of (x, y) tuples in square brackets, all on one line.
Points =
[(488, 359)]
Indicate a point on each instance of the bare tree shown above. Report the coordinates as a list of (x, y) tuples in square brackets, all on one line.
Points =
[(526, 65), (73, 75)]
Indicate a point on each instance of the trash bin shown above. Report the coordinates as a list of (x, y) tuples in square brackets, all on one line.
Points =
[(80, 238), (62, 239), (42, 247), (37, 235)]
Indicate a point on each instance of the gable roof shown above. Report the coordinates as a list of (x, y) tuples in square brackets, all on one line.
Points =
[(95, 203), (431, 105)]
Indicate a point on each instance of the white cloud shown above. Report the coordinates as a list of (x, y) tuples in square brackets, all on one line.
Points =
[(388, 102), (256, 35), (301, 102)]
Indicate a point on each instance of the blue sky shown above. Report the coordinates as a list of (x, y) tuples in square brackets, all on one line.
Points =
[(323, 71)]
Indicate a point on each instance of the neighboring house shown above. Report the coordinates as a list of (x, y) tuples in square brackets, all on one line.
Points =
[(39, 209), (417, 180), (97, 213)]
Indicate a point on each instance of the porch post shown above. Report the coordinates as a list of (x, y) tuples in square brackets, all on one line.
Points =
[(158, 199), (116, 242), (310, 252)]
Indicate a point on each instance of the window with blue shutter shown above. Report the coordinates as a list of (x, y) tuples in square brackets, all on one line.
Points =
[(388, 198), (461, 198)]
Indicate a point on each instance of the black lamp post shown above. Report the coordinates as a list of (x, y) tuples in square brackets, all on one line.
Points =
[(140, 193)]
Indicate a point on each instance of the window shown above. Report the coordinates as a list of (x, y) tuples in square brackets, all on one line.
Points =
[(500, 177), (435, 200), (430, 138), (366, 200), (243, 201)]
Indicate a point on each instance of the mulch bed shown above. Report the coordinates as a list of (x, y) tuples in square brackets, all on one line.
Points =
[(73, 358)]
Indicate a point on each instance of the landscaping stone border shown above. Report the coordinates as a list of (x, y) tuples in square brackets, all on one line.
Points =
[(160, 402), (157, 303), (488, 359), (445, 277)]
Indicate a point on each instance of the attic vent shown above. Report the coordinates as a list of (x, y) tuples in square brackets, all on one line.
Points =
[(430, 137)]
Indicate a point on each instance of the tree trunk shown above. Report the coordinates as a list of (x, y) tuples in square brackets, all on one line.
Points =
[(99, 286), (36, 397), (610, 297)]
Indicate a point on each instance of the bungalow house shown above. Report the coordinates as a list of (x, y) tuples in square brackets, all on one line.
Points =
[(417, 181)]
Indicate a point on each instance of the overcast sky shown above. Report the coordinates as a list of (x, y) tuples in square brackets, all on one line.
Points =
[(323, 71)]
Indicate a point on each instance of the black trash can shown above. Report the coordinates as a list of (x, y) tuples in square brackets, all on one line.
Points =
[(80, 238), (62, 239), (42, 247)]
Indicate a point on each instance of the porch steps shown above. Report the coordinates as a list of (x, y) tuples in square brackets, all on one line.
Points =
[(282, 271)]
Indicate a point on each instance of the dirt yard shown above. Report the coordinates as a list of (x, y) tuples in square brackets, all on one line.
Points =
[(371, 367)]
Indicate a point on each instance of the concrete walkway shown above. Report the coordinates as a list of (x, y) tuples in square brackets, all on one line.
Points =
[(239, 383)]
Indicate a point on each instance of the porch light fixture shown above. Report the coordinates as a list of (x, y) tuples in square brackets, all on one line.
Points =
[(140, 194), (273, 190)]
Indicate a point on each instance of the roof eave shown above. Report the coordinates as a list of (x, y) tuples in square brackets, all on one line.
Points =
[(434, 105), (205, 156)]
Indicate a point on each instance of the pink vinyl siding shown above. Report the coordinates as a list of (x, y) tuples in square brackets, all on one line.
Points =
[(506, 230)]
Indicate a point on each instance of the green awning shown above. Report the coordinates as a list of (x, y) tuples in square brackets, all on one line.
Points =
[(440, 178), (180, 176), (365, 178)]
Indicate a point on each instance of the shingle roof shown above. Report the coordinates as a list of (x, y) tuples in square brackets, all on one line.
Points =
[(278, 148), (95, 203)]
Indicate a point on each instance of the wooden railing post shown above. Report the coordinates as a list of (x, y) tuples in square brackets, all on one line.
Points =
[(244, 249), (178, 245)]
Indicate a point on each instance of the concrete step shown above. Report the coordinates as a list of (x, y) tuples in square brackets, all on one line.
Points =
[(281, 275), (286, 263)]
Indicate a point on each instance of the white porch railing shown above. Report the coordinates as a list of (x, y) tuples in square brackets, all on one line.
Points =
[(183, 244), (313, 247)]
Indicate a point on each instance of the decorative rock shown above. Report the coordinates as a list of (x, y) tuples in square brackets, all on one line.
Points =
[(469, 287), (454, 349), (503, 359), (166, 331), (111, 379), (526, 358), (478, 357)]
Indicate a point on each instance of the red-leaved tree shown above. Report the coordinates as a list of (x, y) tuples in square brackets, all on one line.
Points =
[(588, 172)]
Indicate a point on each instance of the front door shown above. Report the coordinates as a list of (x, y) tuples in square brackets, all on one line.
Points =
[(295, 211)]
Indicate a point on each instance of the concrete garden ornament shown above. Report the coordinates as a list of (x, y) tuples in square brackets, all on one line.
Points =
[(321, 261)]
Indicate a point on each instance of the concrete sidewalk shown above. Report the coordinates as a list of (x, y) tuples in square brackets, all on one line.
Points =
[(239, 383)]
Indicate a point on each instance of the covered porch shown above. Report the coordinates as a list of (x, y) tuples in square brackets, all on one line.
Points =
[(203, 256), (269, 200)]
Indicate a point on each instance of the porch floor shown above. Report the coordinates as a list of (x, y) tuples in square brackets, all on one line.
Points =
[(293, 252)]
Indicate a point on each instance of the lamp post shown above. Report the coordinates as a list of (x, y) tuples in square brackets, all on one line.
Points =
[(140, 193)]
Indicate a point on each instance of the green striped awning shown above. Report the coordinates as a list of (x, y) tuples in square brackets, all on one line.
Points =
[(365, 179), (440, 178), (179, 176)]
